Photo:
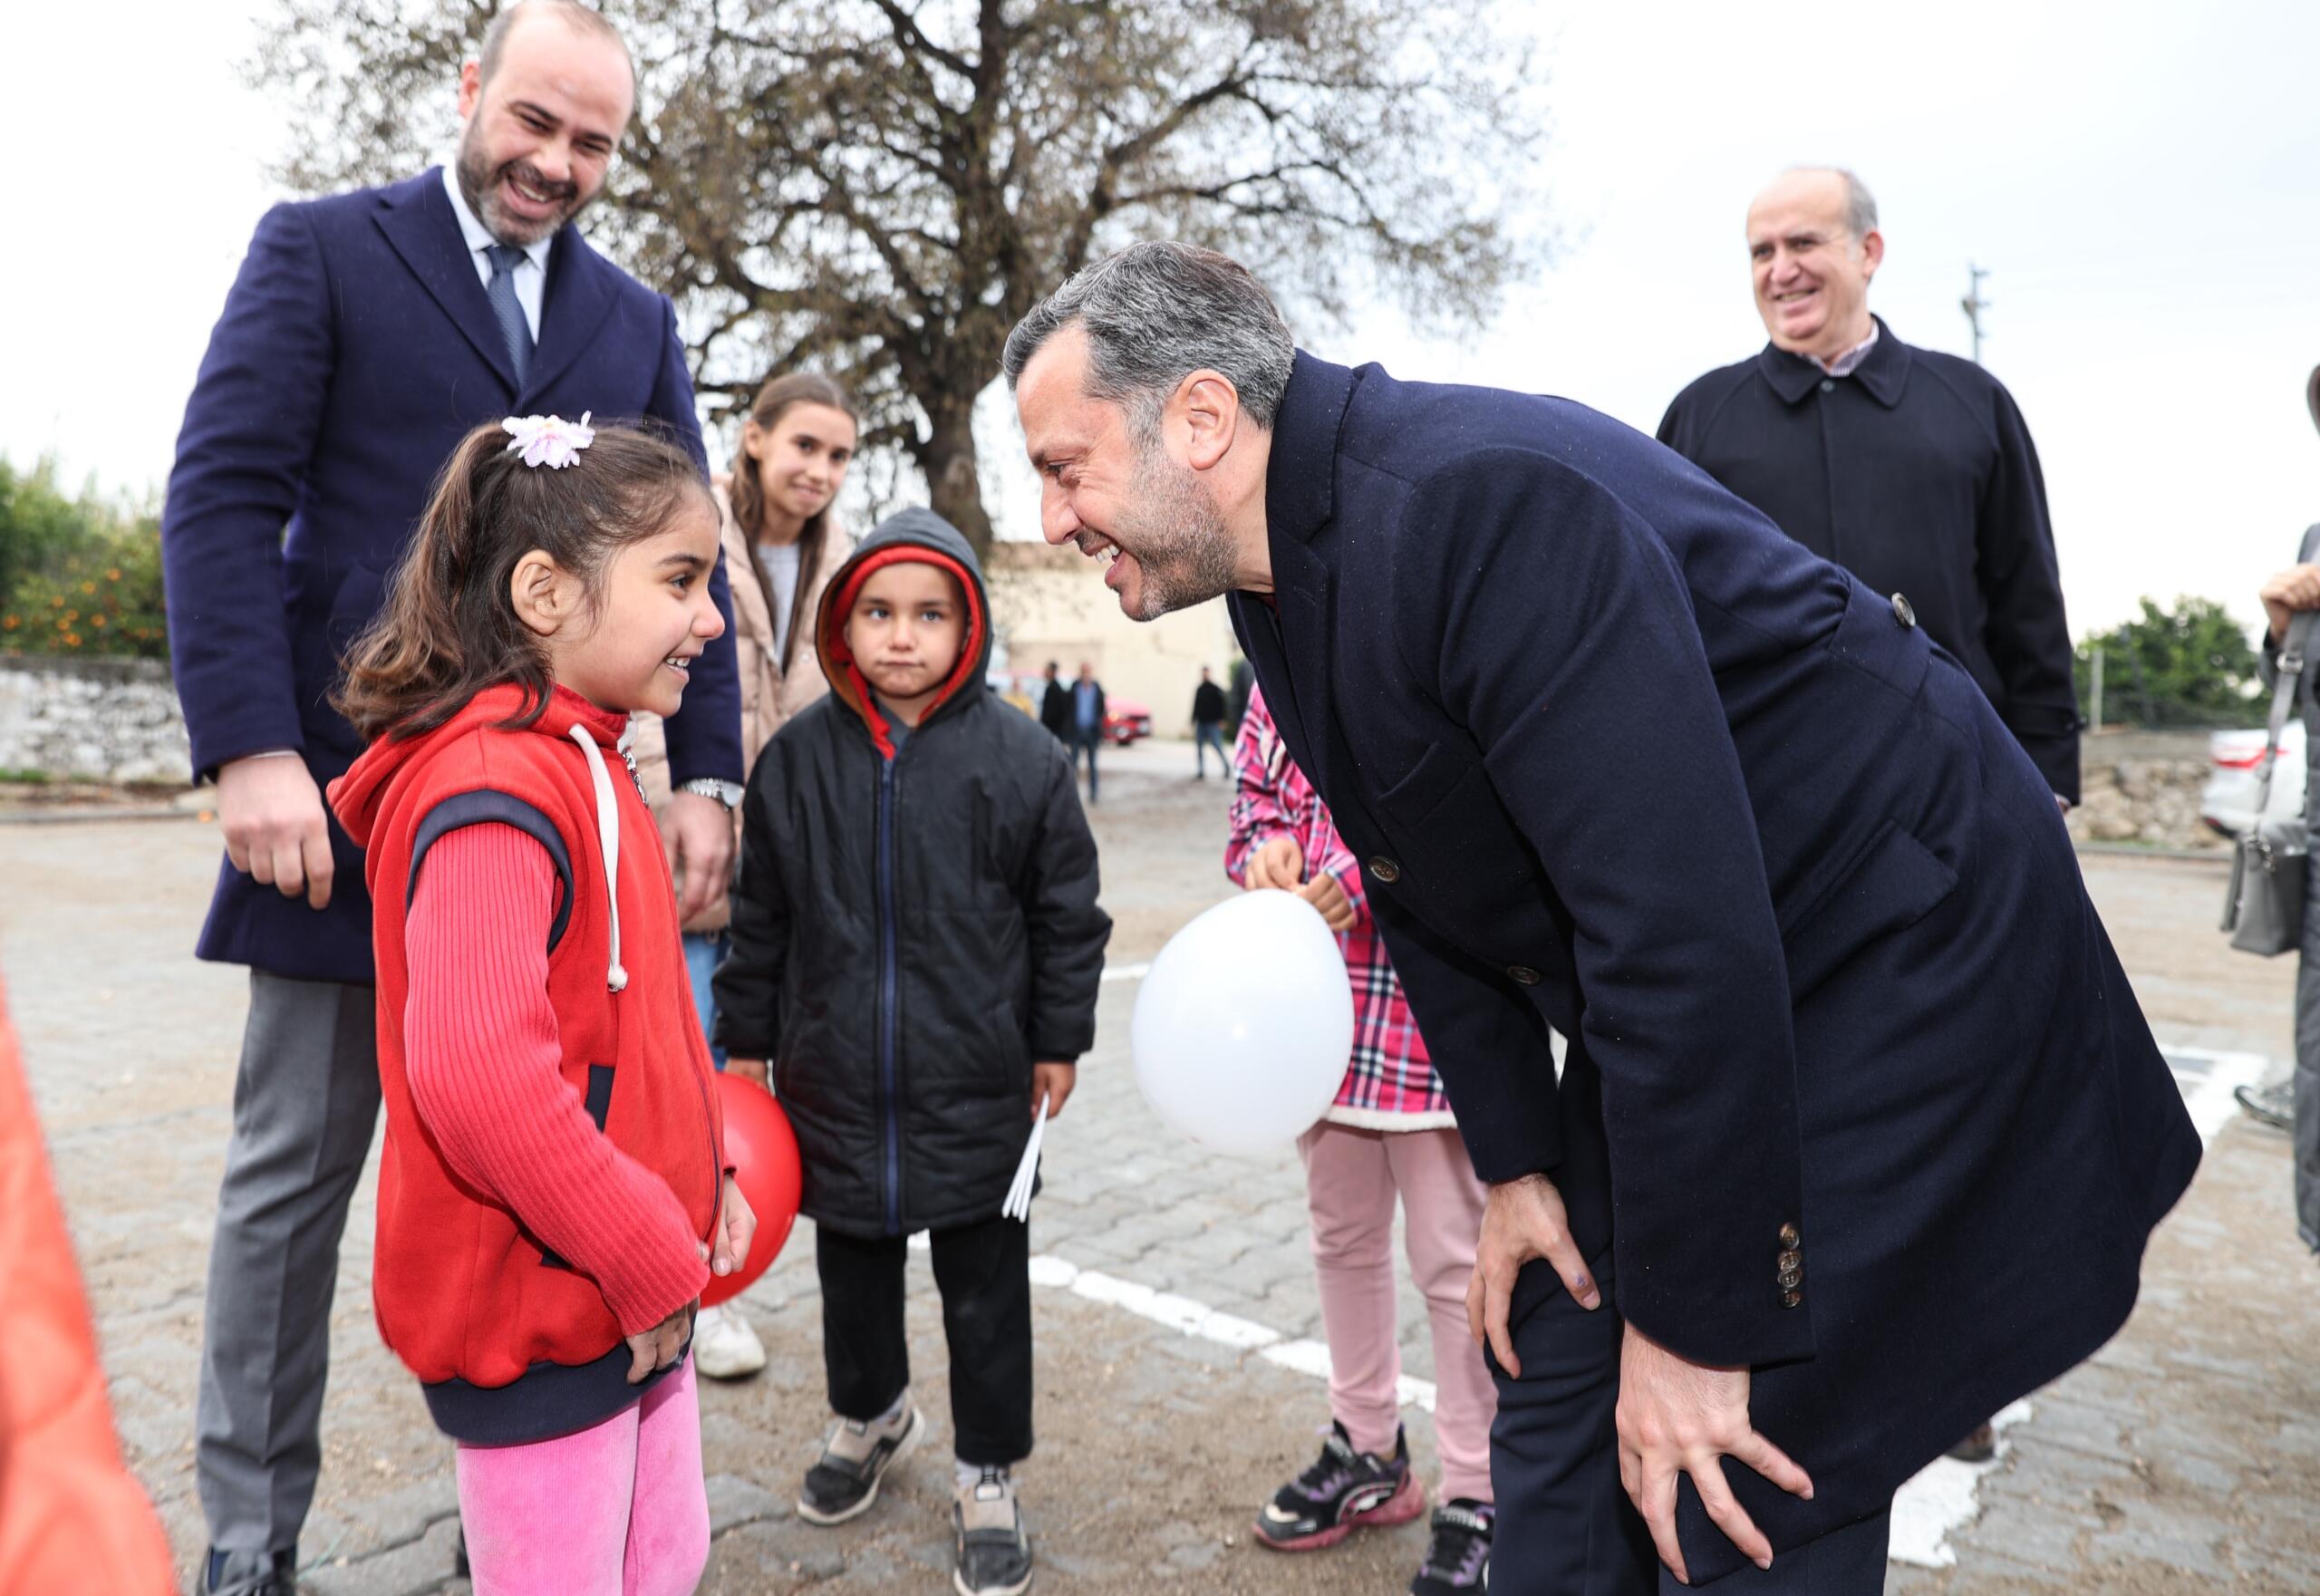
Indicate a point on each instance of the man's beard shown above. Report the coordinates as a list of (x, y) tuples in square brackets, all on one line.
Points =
[(1183, 550), (480, 182)]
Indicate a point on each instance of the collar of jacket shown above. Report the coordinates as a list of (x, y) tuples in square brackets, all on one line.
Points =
[(1300, 474), (1884, 372), (576, 294)]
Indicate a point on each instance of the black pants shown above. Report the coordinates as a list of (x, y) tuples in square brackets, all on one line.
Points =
[(1565, 1525), (983, 1272)]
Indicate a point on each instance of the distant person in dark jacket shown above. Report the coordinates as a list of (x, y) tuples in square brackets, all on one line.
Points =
[(910, 839), (1208, 727), (1087, 731), (1244, 678), (1912, 469), (1054, 705)]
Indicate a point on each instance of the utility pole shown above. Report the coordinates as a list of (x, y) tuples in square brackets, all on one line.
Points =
[(1973, 304)]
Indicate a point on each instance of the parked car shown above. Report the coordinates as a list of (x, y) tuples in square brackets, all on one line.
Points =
[(2236, 769), (1124, 721)]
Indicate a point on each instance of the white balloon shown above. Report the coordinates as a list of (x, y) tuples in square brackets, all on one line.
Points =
[(1245, 1024)]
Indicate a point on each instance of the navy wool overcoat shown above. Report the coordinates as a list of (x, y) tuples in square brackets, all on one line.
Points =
[(1856, 1092), (356, 349)]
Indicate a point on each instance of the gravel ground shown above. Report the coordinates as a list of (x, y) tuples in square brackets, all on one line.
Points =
[(2186, 1458)]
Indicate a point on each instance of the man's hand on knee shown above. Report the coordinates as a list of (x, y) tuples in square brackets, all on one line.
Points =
[(1677, 1416), (275, 828), (1522, 1220)]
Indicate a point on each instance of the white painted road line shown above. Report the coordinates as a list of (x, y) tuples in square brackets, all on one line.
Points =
[(1200, 1321)]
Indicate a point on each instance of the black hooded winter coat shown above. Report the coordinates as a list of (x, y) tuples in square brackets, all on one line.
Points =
[(913, 926)]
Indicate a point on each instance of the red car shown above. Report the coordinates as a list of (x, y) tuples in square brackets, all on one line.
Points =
[(1124, 721)]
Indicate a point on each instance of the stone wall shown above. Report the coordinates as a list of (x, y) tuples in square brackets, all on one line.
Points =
[(113, 721), (2143, 787), (117, 721)]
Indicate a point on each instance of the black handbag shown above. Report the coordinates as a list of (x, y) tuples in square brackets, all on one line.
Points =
[(2264, 907)]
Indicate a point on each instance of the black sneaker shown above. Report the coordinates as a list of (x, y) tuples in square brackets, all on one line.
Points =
[(250, 1573), (1458, 1557), (994, 1551), (1344, 1490), (845, 1481)]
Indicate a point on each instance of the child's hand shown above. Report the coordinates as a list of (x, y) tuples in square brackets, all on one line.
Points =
[(1278, 863), (1053, 1082), (736, 1223), (1325, 893), (658, 1348), (748, 1070)]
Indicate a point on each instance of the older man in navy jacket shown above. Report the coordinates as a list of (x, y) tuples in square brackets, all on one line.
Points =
[(1912, 468), (365, 334), (1859, 1134)]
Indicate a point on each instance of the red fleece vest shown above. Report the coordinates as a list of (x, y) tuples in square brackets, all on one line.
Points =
[(462, 1292)]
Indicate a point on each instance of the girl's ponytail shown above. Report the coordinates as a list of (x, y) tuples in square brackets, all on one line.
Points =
[(448, 628)]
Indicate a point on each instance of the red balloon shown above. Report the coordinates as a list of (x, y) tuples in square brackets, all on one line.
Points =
[(763, 1150)]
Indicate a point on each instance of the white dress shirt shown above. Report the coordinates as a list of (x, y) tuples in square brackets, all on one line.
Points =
[(531, 272)]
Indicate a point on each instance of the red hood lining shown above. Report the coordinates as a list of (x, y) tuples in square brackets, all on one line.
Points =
[(860, 696)]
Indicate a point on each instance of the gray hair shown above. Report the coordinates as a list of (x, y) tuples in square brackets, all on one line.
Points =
[(1155, 313), (1861, 204), (581, 19)]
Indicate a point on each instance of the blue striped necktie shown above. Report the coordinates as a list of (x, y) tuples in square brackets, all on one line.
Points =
[(501, 292)]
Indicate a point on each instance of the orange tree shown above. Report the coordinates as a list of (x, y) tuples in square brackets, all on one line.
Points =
[(79, 575)]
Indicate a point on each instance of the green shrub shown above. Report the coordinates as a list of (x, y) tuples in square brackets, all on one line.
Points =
[(79, 575)]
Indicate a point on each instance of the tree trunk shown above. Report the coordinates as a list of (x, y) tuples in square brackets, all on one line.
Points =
[(954, 484)]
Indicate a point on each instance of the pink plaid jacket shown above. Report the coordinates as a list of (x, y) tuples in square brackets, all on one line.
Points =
[(1390, 1083)]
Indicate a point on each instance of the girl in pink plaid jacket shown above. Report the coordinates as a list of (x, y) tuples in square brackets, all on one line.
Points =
[(1389, 1131)]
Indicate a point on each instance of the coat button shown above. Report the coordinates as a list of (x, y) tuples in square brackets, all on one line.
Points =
[(1523, 975), (1902, 611), (1792, 1278), (1790, 1299), (1828, 384), (1790, 1236), (1791, 1259), (1385, 869)]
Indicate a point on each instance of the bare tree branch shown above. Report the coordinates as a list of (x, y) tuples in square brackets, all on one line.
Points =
[(881, 188)]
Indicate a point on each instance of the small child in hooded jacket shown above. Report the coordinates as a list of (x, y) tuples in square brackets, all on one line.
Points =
[(916, 949)]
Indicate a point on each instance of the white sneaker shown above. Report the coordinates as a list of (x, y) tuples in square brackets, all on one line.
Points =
[(724, 1346)]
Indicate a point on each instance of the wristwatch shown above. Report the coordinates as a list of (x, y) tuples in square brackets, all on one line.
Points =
[(728, 793)]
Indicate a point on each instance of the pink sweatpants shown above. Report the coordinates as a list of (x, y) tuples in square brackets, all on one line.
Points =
[(1350, 1179), (618, 1509)]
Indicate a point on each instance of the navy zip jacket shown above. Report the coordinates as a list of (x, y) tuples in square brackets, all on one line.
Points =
[(355, 350), (1856, 1092), (913, 927), (1916, 474)]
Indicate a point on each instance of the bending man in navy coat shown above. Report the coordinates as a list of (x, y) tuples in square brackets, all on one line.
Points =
[(1859, 1134), (365, 334)]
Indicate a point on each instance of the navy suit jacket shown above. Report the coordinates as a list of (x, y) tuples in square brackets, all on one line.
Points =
[(355, 350), (1856, 1092)]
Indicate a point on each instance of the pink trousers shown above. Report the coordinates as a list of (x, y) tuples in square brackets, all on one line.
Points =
[(1352, 1177), (618, 1509)]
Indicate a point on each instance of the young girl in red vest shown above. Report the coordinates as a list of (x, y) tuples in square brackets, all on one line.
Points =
[(549, 1196)]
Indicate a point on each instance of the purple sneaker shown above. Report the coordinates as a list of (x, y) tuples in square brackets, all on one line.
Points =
[(1458, 1558), (1344, 1490)]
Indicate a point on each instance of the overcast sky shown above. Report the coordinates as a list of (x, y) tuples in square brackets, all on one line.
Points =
[(2144, 189)]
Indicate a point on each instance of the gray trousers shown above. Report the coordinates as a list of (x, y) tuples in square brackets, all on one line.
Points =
[(305, 1104), (2307, 1073)]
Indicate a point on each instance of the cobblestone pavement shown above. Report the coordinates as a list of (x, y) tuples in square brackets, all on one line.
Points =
[(2185, 1456)]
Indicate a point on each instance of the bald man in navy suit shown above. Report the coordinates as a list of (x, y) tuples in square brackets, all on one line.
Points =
[(366, 334)]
